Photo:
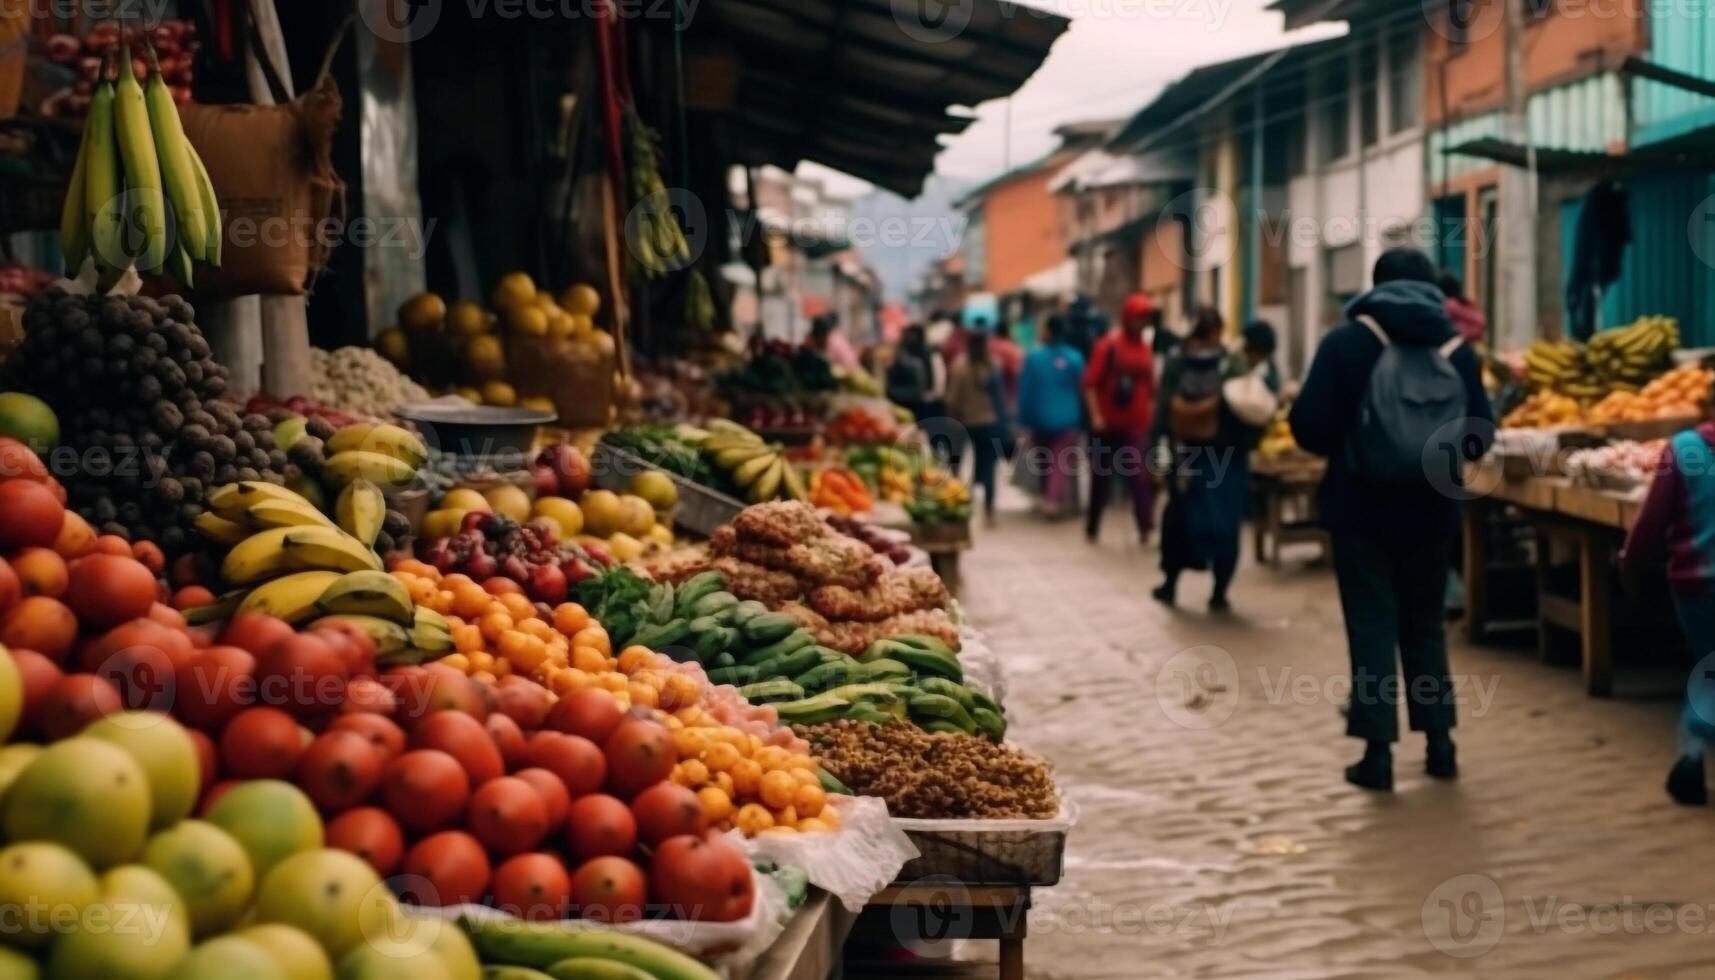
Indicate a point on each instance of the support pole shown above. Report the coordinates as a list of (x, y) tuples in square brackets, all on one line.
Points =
[(1517, 304)]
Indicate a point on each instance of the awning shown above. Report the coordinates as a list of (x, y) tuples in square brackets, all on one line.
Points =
[(1103, 168), (1056, 280), (1555, 161), (865, 86)]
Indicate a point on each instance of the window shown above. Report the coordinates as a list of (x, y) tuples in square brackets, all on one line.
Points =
[(1336, 111), (1404, 82), (1369, 95)]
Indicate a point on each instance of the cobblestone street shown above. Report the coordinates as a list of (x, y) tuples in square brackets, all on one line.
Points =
[(1217, 838)]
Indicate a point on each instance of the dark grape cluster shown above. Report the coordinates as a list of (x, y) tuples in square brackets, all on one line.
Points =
[(142, 403)]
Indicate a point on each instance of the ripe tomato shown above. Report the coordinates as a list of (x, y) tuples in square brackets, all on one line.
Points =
[(208, 758), (214, 685), (41, 624), (191, 596), (639, 755), (254, 631), (508, 738), (507, 815), (370, 833), (41, 571), (589, 713), (666, 810), (609, 889), (73, 702), (426, 789), (577, 761), (301, 674), (11, 589), (76, 537), (462, 737), (437, 687), (150, 556), (19, 461), (448, 868), (105, 589), (162, 612), (112, 544), (600, 826), (355, 647), (143, 659), (30, 514), (366, 695), (261, 743), (339, 770), (702, 878), (39, 675), (524, 701), (552, 789), (388, 738), (532, 886)]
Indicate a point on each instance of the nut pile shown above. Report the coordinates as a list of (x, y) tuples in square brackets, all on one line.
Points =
[(359, 380), (935, 776)]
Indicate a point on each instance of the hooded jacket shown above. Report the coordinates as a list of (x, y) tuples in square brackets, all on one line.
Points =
[(1326, 413)]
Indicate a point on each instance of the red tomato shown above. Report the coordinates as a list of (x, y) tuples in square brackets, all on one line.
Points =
[(73, 702), (639, 755), (702, 878), (39, 676), (600, 826), (448, 868), (163, 612), (508, 738), (29, 515), (142, 658), (76, 537), (355, 647), (370, 833), (508, 816), (609, 889), (150, 555), (438, 687), (192, 596), (339, 770), (589, 713), (301, 674), (261, 743), (104, 590), (532, 886), (577, 761), (524, 701), (41, 571), (213, 686), (666, 810), (388, 738), (11, 589), (462, 737), (366, 695), (553, 792), (19, 461), (113, 544), (254, 632), (41, 624), (426, 789)]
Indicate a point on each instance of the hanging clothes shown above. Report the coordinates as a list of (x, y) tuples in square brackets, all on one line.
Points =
[(1598, 255)]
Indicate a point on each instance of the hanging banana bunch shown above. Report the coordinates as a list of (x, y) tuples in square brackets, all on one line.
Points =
[(658, 243), (139, 195)]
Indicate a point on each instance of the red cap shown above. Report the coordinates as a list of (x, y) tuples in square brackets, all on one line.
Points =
[(1137, 306)]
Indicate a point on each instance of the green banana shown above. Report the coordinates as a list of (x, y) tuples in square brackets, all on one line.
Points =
[(812, 711), (990, 723), (777, 689), (887, 670), (101, 182), (769, 628), (931, 644), (74, 226), (146, 202), (795, 640), (746, 611), (592, 968), (938, 707), (943, 686), (210, 205), (178, 177), (658, 635), (714, 604), (542, 944)]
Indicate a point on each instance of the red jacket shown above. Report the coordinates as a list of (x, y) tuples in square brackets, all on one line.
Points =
[(1114, 357)]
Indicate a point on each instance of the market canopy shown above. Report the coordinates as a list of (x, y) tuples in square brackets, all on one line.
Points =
[(865, 86)]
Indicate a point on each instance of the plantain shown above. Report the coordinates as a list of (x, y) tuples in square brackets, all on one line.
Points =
[(101, 181), (178, 177), (145, 201), (361, 508)]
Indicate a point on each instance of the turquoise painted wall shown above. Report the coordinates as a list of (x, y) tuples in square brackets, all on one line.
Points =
[(1682, 37), (1665, 270)]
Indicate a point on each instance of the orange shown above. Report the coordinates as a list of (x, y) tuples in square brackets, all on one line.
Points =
[(467, 639), (569, 618), (717, 806), (589, 658), (470, 600), (805, 777), (809, 800), (614, 682), (831, 817), (537, 628), (517, 606), (753, 819), (642, 694), (771, 757), (422, 591), (786, 818), (593, 636), (681, 689), (411, 566), (481, 660), (810, 825), (800, 762), (724, 781), (455, 580), (690, 742), (691, 772), (778, 789), (633, 658), (443, 603), (721, 757), (649, 678), (570, 680), (502, 668), (746, 777), (493, 624), (458, 662)]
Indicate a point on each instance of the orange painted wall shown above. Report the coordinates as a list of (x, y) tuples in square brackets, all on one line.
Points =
[(1021, 228), (1577, 40)]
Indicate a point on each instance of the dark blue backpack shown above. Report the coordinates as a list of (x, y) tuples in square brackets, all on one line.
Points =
[(1411, 413)]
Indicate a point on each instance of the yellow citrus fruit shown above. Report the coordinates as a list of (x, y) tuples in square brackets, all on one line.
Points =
[(466, 499), (636, 516), (662, 535), (655, 487), (469, 394), (624, 547), (443, 523), (579, 325), (424, 311), (466, 319), (561, 511), (778, 789), (510, 500), (392, 345), (514, 289), (538, 403), (603, 342), (485, 355), (499, 393), (581, 298), (602, 512), (530, 321)]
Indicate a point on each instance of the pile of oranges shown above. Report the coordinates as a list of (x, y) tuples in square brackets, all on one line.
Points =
[(741, 780)]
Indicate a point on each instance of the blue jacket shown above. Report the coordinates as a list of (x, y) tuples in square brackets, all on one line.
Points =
[(1050, 390), (1326, 412)]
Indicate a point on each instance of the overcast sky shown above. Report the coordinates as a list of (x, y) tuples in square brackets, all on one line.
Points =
[(1115, 57)]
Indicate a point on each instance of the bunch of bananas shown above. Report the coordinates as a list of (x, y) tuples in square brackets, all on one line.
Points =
[(1277, 440), (288, 560), (373, 451), (1563, 366), (657, 241), (700, 311), (1628, 357), (134, 170), (756, 468)]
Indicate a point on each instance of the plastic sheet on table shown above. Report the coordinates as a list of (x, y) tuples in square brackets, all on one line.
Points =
[(860, 859), (981, 664)]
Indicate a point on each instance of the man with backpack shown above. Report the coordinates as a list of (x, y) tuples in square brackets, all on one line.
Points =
[(1395, 400)]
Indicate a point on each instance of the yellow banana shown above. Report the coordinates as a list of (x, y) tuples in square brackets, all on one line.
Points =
[(259, 557), (220, 530), (377, 468), (290, 597), (233, 500), (74, 226), (327, 547), (379, 437), (368, 593), (768, 484), (179, 266), (286, 513), (748, 473), (145, 203), (361, 509), (210, 206), (178, 179), (429, 638), (101, 182), (424, 616)]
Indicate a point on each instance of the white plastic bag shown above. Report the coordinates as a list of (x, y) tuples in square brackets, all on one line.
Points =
[(853, 864), (1250, 397)]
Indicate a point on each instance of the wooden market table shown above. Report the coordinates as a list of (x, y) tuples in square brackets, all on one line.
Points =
[(1588, 522), (1285, 490), (810, 948)]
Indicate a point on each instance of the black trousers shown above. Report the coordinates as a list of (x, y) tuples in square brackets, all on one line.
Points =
[(1392, 590)]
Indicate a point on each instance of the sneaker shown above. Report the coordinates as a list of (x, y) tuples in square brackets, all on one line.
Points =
[(1374, 771), (1442, 761), (1163, 594), (1685, 783), (1220, 604)]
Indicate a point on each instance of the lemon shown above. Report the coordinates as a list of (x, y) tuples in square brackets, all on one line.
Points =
[(467, 319), (581, 298), (499, 393), (424, 311), (469, 394), (465, 499), (530, 321), (485, 355), (392, 345), (566, 513), (514, 289), (510, 500)]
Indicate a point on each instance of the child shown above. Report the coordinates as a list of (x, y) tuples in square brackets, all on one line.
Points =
[(1676, 528)]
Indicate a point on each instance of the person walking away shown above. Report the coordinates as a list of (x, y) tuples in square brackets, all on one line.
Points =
[(1675, 530), (828, 340), (1050, 407), (976, 403), (1389, 498), (1209, 482), (1119, 396), (1467, 319), (910, 377)]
